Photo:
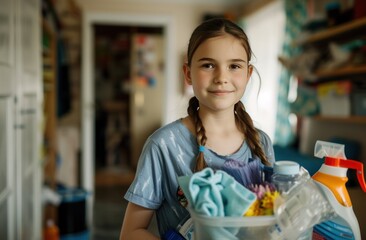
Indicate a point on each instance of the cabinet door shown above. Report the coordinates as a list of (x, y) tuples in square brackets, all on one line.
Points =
[(29, 172), (7, 32), (7, 131), (20, 128), (27, 117), (7, 168), (28, 44)]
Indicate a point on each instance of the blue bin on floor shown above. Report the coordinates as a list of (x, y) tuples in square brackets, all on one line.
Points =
[(76, 236), (72, 214)]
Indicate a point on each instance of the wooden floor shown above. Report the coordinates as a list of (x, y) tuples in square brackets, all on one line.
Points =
[(109, 204), (111, 185), (109, 209)]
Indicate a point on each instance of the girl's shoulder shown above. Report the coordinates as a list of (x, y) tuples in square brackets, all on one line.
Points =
[(265, 139), (267, 146), (169, 130)]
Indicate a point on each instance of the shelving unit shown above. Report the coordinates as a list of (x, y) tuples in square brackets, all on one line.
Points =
[(329, 125), (348, 120), (58, 26), (354, 28), (49, 55), (336, 126), (49, 88), (341, 72), (340, 34)]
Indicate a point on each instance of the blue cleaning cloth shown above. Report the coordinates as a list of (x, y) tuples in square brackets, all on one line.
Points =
[(216, 194)]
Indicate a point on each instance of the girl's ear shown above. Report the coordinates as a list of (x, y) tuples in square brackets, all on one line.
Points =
[(250, 70), (187, 74)]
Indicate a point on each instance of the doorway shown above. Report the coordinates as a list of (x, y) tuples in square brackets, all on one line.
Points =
[(128, 67), (88, 76)]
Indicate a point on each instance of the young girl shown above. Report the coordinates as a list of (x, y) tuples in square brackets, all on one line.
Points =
[(216, 129)]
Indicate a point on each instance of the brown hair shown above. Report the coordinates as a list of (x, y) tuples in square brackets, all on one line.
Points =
[(210, 29)]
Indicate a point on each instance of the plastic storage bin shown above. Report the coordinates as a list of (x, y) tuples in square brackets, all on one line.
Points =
[(210, 228), (72, 214)]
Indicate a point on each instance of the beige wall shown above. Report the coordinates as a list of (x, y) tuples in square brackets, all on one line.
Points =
[(185, 17)]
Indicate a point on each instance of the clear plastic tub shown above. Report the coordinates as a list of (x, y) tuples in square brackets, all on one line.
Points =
[(208, 228)]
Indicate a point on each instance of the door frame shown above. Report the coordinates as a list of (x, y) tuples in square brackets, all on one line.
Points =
[(87, 83)]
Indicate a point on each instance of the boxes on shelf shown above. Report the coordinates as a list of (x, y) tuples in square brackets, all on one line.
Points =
[(359, 98), (335, 98)]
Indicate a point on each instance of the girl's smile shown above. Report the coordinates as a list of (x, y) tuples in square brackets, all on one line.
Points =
[(220, 92)]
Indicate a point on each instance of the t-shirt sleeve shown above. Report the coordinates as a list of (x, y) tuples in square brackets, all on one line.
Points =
[(146, 188), (268, 147)]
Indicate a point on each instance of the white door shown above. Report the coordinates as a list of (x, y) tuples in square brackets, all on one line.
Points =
[(20, 133), (147, 73), (7, 122)]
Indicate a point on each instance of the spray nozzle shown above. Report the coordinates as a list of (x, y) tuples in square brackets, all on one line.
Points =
[(328, 149), (335, 157), (350, 164)]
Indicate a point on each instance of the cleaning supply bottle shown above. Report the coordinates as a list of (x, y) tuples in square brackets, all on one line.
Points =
[(51, 231), (331, 179), (287, 175)]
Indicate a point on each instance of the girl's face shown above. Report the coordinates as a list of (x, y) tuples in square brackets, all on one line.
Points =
[(219, 73)]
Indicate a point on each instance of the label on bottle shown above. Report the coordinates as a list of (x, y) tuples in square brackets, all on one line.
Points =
[(187, 229), (332, 230)]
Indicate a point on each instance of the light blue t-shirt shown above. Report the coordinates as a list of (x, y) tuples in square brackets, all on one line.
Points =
[(169, 152)]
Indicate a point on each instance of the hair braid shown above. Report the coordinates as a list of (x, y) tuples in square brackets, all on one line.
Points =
[(245, 124), (200, 132)]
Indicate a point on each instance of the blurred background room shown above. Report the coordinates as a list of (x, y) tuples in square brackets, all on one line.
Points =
[(83, 83)]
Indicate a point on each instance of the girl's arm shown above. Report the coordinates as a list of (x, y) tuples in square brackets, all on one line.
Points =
[(136, 222)]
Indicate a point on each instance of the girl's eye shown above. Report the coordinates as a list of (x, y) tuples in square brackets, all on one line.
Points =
[(234, 66), (208, 65)]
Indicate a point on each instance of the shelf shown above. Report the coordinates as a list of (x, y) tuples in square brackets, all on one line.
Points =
[(48, 61), (346, 119), (355, 26), (341, 72), (345, 32), (114, 106)]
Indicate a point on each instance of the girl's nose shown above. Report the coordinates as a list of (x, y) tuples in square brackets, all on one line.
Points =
[(221, 76)]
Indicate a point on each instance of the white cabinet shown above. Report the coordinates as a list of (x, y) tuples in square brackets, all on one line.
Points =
[(20, 120), (7, 167)]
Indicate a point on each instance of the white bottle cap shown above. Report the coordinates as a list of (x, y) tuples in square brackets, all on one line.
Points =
[(286, 167)]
